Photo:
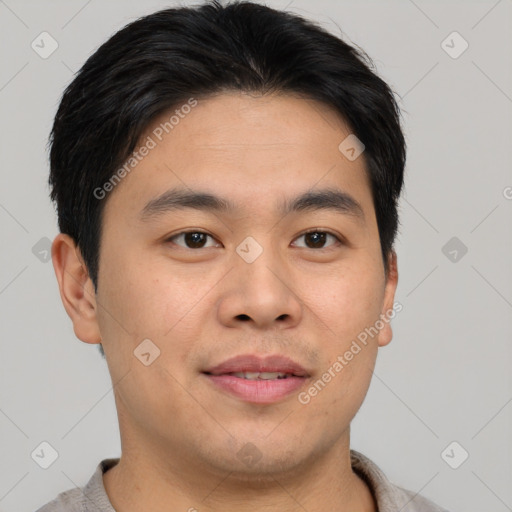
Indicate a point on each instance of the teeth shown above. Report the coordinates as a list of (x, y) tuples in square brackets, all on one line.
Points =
[(260, 375)]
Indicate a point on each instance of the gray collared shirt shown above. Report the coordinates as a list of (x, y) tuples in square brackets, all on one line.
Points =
[(389, 497)]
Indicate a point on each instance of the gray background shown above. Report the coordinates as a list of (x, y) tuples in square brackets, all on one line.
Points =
[(445, 376)]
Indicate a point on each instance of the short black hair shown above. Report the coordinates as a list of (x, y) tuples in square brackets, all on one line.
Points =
[(158, 62)]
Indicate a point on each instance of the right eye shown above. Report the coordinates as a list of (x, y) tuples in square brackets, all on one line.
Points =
[(191, 239)]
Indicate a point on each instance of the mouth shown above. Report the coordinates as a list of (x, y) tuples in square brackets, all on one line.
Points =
[(258, 380), (257, 375)]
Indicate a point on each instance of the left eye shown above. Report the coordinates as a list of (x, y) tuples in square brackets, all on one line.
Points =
[(197, 239), (317, 239)]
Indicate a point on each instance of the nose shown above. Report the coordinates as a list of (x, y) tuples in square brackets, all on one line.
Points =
[(261, 293)]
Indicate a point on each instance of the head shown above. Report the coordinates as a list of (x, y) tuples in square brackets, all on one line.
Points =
[(248, 107)]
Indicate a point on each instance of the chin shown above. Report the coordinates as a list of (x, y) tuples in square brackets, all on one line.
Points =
[(265, 470), (263, 460)]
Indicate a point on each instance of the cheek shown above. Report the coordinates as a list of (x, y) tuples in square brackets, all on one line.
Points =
[(155, 392), (158, 302), (353, 306), (345, 307), (346, 303), (145, 299)]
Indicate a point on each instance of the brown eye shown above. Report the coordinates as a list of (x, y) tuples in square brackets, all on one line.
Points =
[(191, 239), (317, 239)]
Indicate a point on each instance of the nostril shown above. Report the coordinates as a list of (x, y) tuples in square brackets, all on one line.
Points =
[(243, 317)]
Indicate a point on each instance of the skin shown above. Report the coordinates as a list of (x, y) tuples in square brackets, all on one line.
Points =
[(180, 435)]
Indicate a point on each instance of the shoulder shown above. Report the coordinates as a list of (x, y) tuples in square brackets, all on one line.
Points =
[(91, 497), (414, 502), (389, 497), (67, 501)]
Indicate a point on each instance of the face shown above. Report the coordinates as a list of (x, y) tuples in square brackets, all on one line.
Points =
[(241, 276)]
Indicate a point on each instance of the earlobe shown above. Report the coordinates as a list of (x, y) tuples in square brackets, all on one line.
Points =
[(76, 288), (386, 333)]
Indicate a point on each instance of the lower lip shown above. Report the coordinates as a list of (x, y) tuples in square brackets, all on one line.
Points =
[(257, 391)]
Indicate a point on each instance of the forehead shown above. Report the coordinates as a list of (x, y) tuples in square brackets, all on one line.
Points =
[(237, 119), (253, 149)]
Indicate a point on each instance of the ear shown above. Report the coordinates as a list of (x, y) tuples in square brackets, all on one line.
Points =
[(76, 288), (386, 333)]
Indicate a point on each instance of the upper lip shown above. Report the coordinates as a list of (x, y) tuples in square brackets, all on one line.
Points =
[(254, 363)]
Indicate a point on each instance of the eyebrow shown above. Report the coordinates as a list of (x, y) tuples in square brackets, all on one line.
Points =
[(313, 200)]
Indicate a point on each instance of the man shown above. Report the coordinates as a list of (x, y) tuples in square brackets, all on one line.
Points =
[(226, 180)]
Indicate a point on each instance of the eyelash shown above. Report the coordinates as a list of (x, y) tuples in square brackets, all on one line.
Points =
[(338, 239)]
